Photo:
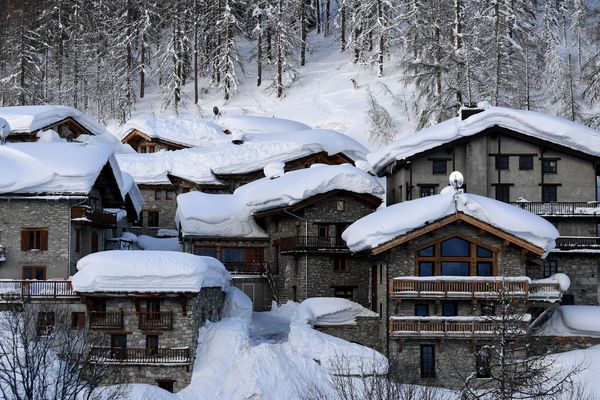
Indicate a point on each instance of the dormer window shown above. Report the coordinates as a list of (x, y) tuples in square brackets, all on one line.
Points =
[(455, 256)]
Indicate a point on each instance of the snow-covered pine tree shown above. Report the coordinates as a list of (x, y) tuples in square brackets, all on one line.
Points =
[(229, 59)]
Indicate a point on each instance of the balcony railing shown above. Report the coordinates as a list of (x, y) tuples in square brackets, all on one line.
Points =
[(472, 288), (130, 355), (460, 327), (252, 268), (159, 320), (86, 215), (563, 208), (34, 289), (577, 242), (307, 243), (106, 319)]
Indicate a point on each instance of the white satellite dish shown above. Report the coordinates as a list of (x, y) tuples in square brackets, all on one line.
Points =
[(4, 130), (456, 180)]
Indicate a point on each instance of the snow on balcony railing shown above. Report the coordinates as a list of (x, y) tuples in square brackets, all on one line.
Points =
[(457, 326), (311, 243), (563, 208), (27, 289), (130, 355)]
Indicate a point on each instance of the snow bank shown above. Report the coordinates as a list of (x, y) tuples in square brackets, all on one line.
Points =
[(388, 223), (186, 132), (148, 271), (572, 321), (230, 215), (258, 124), (330, 311), (560, 278), (237, 304), (540, 126), (165, 244)]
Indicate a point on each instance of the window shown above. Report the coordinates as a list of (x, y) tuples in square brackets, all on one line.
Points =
[(34, 272), (170, 194), (157, 194), (118, 346), (77, 240), (45, 323), (427, 190), (344, 292), (549, 166), (502, 162), (449, 309), (455, 256), (146, 148), (233, 254), (503, 193), (153, 219), (166, 385), (77, 320), (153, 308), (427, 361), (340, 263), (567, 300), (34, 239), (340, 205), (548, 193), (525, 163), (205, 251), (151, 345), (550, 268), (440, 166), (323, 231), (94, 242), (482, 361), (422, 310), (488, 309), (295, 293)]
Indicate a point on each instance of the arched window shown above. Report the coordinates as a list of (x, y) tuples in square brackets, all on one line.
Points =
[(455, 256)]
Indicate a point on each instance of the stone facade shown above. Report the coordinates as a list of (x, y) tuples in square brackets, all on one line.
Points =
[(155, 200), (365, 332)]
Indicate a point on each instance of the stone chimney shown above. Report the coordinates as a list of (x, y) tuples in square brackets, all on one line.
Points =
[(469, 109)]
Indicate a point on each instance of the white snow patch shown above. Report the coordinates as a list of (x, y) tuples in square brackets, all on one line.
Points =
[(572, 321), (330, 311), (237, 304), (258, 124), (166, 244)]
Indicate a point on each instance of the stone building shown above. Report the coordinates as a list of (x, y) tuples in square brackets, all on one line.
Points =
[(540, 163), (58, 202), (150, 307), (444, 268), (281, 237), (226, 162)]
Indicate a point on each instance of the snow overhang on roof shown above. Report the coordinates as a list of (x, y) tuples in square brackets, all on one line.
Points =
[(393, 222), (544, 127)]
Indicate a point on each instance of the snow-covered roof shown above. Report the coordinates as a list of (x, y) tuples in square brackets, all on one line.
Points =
[(257, 124), (546, 127), (148, 271), (391, 222), (200, 165), (230, 215), (186, 132), (330, 311), (572, 321), (56, 167)]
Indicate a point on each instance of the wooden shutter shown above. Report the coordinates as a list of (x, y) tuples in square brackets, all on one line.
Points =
[(43, 240), (24, 240)]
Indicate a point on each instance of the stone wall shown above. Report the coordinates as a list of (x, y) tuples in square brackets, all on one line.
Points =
[(365, 332), (166, 209)]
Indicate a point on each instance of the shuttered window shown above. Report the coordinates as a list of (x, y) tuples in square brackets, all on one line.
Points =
[(34, 239)]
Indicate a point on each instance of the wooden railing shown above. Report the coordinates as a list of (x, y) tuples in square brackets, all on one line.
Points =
[(131, 355), (34, 289), (95, 217), (577, 242), (106, 319), (453, 328), (310, 242), (246, 267), (472, 288), (160, 320), (560, 208)]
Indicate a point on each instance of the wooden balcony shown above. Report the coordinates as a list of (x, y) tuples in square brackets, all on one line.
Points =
[(312, 244), (563, 208), (98, 218), (156, 321), (578, 243), (11, 289), (106, 319), (131, 355), (472, 288), (249, 268), (452, 327)]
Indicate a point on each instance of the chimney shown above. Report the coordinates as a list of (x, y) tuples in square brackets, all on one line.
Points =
[(469, 109)]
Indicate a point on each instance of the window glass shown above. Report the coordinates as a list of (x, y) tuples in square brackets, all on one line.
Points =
[(483, 252), (550, 268), (440, 166), (502, 162), (456, 247), (525, 162), (449, 309), (548, 193), (425, 269), (343, 292), (428, 252), (503, 193), (233, 254), (549, 166), (484, 269), (422, 310), (427, 361), (427, 190), (205, 251), (455, 268)]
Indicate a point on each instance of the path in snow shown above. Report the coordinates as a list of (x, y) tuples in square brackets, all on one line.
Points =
[(267, 327)]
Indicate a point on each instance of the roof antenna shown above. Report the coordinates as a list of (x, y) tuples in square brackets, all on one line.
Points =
[(456, 180), (4, 130)]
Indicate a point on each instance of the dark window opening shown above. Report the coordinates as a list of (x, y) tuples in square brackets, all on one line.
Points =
[(77, 240), (94, 242), (449, 309), (157, 194), (205, 251), (484, 269), (323, 231), (166, 385), (170, 194), (118, 346), (340, 263), (503, 193), (488, 309), (550, 166), (152, 219), (77, 320), (343, 292), (151, 345), (502, 162), (34, 272), (549, 193), (525, 163), (45, 323), (456, 247), (34, 239), (567, 300), (427, 361), (422, 310), (425, 269), (550, 268), (440, 166), (427, 190), (483, 355)]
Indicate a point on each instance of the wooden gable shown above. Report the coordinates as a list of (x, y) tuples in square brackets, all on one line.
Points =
[(136, 138), (67, 128)]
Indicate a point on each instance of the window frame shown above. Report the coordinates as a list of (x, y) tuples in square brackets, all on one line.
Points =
[(424, 188), (550, 165), (157, 194), (341, 263), (502, 190), (525, 166), (500, 164), (550, 268), (343, 292), (170, 194), (340, 205), (427, 367), (436, 165), (35, 239), (544, 193), (154, 214), (34, 270), (473, 259)]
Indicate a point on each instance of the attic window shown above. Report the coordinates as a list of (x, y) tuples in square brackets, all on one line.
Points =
[(340, 205), (455, 256)]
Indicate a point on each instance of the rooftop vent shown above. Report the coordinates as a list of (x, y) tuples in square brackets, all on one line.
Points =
[(469, 109), (237, 138)]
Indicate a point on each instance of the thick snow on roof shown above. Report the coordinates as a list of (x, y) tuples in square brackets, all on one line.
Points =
[(56, 167), (541, 126), (330, 311), (187, 132), (148, 271), (257, 124), (388, 223), (200, 165), (230, 215), (572, 321)]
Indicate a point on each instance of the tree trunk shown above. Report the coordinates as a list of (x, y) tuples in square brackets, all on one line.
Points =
[(381, 36), (327, 16), (343, 25), (318, 15), (303, 32), (195, 16), (143, 67), (259, 54)]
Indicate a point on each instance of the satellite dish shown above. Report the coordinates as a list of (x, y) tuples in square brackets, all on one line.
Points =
[(4, 130), (216, 111), (456, 180)]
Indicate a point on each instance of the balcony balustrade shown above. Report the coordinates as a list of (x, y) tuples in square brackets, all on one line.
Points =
[(35, 289), (156, 321), (563, 208), (131, 355), (458, 327), (99, 218), (250, 268), (311, 243), (578, 243), (106, 319)]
